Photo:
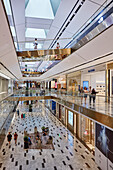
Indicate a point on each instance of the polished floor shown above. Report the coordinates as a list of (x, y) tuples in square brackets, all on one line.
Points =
[(100, 105), (68, 153)]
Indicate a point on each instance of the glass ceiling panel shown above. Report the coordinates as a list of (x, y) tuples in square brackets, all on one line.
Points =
[(13, 31), (39, 9), (7, 6), (35, 33)]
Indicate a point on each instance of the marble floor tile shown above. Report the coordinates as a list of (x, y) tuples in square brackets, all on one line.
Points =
[(67, 154)]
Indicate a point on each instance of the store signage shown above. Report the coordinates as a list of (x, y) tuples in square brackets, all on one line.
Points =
[(91, 70)]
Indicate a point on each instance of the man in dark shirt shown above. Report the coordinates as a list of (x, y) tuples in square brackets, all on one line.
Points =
[(15, 137), (9, 137)]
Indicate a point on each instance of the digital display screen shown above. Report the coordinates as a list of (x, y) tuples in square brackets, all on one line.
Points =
[(86, 84), (104, 141), (70, 118)]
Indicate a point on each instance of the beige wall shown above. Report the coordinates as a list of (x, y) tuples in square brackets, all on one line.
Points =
[(3, 85), (72, 79)]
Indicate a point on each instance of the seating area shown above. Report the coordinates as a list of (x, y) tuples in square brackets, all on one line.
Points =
[(38, 140)]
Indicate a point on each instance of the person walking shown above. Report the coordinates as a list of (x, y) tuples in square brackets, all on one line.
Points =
[(15, 137), (93, 95), (81, 94), (58, 45), (18, 112), (90, 91), (35, 44), (85, 93), (9, 137)]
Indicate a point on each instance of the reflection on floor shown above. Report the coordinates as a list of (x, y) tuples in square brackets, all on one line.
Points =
[(68, 152), (99, 106)]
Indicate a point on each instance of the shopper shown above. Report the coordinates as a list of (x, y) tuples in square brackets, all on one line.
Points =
[(18, 112), (42, 91), (35, 44), (55, 86), (9, 137), (90, 91), (15, 137), (85, 93), (58, 45), (93, 95), (81, 94)]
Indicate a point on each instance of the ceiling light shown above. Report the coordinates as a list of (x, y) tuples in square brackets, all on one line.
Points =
[(100, 20)]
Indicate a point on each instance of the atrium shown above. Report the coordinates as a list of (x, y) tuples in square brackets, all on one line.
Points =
[(56, 84)]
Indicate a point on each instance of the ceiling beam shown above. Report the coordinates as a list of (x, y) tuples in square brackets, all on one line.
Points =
[(29, 72), (38, 53)]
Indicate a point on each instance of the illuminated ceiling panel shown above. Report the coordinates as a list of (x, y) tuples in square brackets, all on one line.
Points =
[(13, 31), (7, 6), (35, 33), (39, 9)]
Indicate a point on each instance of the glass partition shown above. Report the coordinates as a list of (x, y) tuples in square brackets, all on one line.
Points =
[(7, 109)]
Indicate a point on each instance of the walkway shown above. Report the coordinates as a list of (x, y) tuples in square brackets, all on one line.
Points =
[(69, 153)]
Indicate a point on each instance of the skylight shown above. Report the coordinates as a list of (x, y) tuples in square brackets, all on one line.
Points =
[(7, 6), (39, 9), (35, 33), (13, 31)]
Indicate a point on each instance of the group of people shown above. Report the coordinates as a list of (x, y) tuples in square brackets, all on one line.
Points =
[(91, 92), (9, 138), (36, 44)]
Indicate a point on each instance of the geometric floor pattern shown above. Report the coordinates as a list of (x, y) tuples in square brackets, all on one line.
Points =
[(68, 153)]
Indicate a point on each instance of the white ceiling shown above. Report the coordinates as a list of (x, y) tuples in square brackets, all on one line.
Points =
[(85, 56), (8, 55), (85, 12), (34, 16)]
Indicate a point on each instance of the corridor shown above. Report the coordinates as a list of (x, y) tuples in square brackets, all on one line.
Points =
[(68, 152)]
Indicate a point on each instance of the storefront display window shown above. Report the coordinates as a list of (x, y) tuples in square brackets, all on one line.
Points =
[(63, 114), (70, 118), (87, 132)]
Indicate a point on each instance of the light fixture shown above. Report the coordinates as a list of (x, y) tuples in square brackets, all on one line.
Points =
[(100, 20)]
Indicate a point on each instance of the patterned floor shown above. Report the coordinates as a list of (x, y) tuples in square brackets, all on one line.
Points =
[(68, 153)]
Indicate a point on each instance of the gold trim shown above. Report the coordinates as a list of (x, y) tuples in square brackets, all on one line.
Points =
[(39, 53)]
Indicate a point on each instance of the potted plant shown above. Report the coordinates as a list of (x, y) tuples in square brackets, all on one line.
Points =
[(25, 142), (43, 128), (34, 91), (30, 92), (30, 108), (27, 88)]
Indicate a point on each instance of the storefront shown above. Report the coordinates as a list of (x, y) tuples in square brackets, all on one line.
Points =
[(73, 82), (61, 83), (79, 125), (94, 77), (87, 131)]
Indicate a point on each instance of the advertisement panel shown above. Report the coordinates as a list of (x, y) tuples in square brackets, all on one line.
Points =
[(104, 141)]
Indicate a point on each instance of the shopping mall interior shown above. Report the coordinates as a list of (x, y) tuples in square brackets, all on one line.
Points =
[(56, 84)]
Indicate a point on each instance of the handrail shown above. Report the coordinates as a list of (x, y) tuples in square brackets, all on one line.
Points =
[(81, 32), (52, 91)]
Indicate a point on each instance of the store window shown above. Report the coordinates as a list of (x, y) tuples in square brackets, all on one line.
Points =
[(70, 118), (87, 132)]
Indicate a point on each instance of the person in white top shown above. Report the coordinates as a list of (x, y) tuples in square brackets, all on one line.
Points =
[(58, 45), (90, 91), (85, 93), (35, 44)]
